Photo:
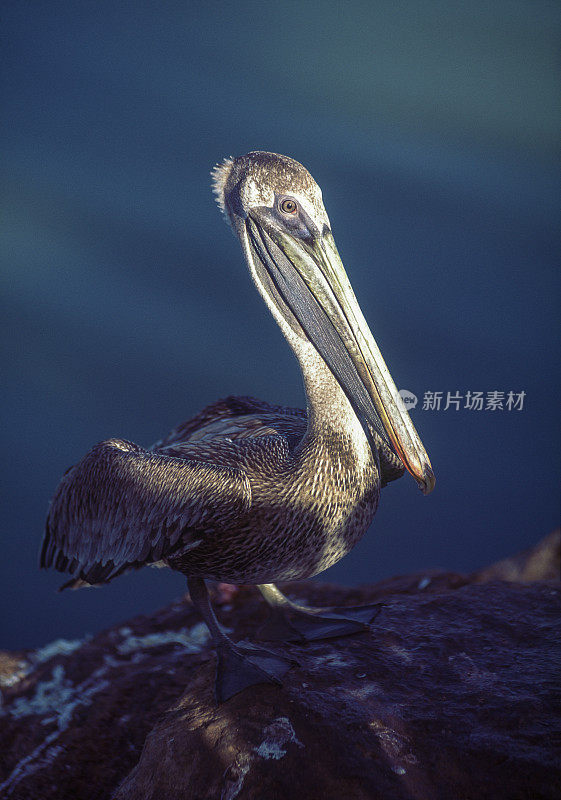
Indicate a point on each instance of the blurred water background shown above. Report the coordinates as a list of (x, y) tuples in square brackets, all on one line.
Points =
[(432, 128)]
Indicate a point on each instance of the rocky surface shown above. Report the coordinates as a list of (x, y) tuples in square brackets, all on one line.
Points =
[(453, 693)]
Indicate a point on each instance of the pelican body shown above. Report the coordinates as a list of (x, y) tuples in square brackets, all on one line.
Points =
[(246, 492)]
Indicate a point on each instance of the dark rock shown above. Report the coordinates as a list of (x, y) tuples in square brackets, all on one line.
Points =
[(540, 563), (454, 693)]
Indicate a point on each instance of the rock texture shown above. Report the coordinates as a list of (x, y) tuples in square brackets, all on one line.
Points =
[(454, 693)]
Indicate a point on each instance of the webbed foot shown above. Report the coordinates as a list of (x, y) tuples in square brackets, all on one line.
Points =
[(241, 665), (291, 622)]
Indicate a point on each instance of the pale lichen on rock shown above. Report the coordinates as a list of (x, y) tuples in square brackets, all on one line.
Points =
[(450, 692)]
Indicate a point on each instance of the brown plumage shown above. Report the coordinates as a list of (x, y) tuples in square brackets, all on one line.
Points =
[(220, 497), (246, 492)]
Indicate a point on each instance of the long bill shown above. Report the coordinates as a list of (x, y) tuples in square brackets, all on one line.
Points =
[(310, 278)]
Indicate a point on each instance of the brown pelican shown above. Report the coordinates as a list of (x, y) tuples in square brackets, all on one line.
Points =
[(245, 492)]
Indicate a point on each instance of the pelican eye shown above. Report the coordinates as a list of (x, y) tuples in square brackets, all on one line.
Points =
[(288, 206)]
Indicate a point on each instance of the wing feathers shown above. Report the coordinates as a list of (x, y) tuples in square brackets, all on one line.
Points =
[(122, 506)]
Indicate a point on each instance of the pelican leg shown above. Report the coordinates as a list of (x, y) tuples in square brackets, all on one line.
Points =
[(291, 622), (239, 664)]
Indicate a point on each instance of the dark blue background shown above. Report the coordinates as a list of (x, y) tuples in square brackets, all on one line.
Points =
[(431, 127)]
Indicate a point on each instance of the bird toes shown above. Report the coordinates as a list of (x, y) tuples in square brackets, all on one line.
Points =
[(242, 665)]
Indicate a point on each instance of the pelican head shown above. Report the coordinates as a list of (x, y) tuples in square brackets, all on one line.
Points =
[(275, 207)]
